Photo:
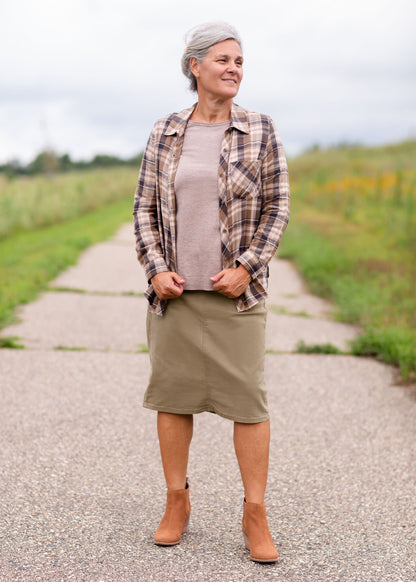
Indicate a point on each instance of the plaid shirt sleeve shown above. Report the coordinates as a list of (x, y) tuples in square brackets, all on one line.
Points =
[(275, 207), (146, 225)]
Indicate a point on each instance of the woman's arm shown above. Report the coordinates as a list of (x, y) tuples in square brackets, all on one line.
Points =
[(166, 284), (275, 207), (146, 222)]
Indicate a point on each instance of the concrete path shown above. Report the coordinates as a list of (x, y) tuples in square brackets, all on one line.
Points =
[(81, 486)]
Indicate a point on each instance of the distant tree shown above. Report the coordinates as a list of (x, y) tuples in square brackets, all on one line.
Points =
[(314, 148), (46, 162), (12, 169), (49, 162), (135, 160), (104, 161), (65, 163)]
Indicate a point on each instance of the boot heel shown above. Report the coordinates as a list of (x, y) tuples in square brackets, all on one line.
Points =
[(246, 541), (185, 525)]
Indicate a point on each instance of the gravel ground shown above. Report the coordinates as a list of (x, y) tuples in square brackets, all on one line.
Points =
[(81, 486)]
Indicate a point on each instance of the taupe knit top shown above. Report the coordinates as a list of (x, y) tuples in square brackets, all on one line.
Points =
[(198, 243)]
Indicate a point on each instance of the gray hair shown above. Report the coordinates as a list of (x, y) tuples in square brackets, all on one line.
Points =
[(200, 39)]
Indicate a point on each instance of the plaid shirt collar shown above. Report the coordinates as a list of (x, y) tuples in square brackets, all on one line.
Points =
[(178, 123)]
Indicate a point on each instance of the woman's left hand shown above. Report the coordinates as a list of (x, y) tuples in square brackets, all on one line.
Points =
[(231, 282)]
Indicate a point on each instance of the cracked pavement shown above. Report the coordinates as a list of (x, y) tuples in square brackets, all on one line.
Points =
[(81, 486)]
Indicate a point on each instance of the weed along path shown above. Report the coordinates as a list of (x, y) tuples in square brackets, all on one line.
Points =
[(81, 486)]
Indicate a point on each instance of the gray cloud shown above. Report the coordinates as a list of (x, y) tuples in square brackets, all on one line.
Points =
[(92, 76)]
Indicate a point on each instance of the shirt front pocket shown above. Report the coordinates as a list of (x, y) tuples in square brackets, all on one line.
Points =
[(244, 178)]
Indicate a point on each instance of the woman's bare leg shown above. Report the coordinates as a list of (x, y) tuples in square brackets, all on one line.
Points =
[(251, 443), (175, 435)]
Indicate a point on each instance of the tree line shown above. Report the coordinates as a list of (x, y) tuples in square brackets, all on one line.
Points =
[(49, 162)]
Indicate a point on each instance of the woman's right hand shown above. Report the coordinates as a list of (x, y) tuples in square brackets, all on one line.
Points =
[(167, 285)]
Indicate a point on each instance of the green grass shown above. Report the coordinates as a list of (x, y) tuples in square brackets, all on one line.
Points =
[(100, 293), (29, 260), (70, 349), (353, 236), (45, 222), (302, 348), (392, 345), (11, 341), (281, 310), (142, 349), (28, 204)]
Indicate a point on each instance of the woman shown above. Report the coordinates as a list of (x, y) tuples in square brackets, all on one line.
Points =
[(211, 205)]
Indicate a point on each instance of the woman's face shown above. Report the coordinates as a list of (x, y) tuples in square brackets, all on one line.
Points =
[(219, 74)]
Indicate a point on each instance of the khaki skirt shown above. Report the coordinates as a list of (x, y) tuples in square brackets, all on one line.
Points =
[(207, 356)]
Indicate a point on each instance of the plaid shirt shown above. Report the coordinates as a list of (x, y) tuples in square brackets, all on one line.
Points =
[(253, 196)]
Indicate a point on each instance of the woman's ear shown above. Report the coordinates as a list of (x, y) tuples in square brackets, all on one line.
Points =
[(194, 66)]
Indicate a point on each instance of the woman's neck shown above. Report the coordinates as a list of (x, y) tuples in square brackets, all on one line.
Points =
[(212, 111)]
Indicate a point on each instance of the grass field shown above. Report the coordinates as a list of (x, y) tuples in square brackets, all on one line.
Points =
[(353, 236), (36, 250), (33, 203)]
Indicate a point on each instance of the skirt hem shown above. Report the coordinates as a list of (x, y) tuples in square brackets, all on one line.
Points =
[(242, 420)]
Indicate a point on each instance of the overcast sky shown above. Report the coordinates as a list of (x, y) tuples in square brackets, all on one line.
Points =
[(91, 76)]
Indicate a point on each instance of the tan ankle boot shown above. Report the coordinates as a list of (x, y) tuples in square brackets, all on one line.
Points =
[(257, 534), (176, 518)]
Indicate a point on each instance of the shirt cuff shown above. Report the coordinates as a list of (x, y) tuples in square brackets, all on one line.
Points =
[(251, 262), (155, 268)]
